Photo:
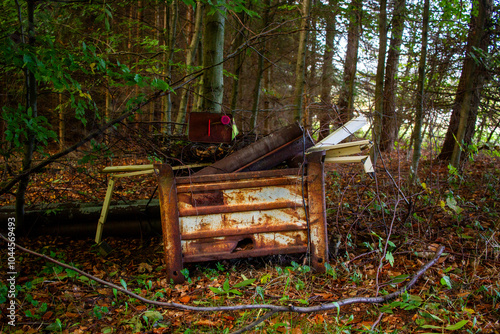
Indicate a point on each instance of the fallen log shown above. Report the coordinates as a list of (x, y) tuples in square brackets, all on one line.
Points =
[(129, 219)]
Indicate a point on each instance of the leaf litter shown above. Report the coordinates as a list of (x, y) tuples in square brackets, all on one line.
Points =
[(462, 292)]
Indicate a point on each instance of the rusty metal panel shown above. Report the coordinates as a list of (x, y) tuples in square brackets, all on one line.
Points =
[(247, 214), (242, 222), (170, 223), (317, 211), (260, 244)]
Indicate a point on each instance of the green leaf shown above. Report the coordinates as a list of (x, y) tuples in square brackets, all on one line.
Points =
[(452, 204), (236, 292), (400, 278), (245, 283), (389, 257), (264, 279), (431, 326), (217, 291), (225, 286), (55, 326), (124, 284), (457, 326), (153, 315), (446, 281), (435, 317)]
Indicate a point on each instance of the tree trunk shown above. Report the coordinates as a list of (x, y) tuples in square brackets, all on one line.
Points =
[(198, 96), (390, 127), (213, 52), (379, 79), (138, 10), (300, 69), (62, 124), (238, 60), (346, 98), (327, 72), (419, 103), (190, 58), (171, 20), (260, 72), (463, 118), (32, 111)]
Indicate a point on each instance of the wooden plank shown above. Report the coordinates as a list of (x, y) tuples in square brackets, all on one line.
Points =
[(105, 210)]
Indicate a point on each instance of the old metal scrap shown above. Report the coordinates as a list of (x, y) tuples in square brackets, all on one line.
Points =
[(234, 215)]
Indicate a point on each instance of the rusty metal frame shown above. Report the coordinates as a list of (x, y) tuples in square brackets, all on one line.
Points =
[(248, 214)]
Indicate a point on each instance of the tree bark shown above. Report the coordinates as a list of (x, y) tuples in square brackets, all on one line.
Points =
[(390, 123), (171, 20), (62, 124), (379, 79), (327, 72), (419, 103), (32, 111), (213, 49), (238, 60), (198, 96), (463, 118), (190, 58), (346, 98), (260, 72), (300, 69)]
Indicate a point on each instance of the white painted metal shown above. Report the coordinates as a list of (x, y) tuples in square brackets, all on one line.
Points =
[(261, 195), (344, 131)]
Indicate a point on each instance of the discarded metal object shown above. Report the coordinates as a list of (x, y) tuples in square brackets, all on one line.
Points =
[(235, 215), (265, 153), (343, 153), (125, 171), (208, 127)]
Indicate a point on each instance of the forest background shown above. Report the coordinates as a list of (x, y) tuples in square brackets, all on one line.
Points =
[(97, 82)]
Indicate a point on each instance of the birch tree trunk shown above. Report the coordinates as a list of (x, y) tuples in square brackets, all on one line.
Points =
[(213, 52)]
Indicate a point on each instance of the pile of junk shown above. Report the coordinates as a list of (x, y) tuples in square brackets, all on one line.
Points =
[(242, 205)]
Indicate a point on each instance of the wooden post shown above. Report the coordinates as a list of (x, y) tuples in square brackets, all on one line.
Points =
[(105, 209)]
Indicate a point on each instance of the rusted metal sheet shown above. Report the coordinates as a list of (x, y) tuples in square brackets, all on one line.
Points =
[(247, 156), (317, 210), (170, 223), (247, 214)]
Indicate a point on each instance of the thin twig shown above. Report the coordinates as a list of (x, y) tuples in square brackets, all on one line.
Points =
[(377, 321)]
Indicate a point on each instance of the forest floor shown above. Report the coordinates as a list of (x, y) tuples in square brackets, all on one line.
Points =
[(381, 231)]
